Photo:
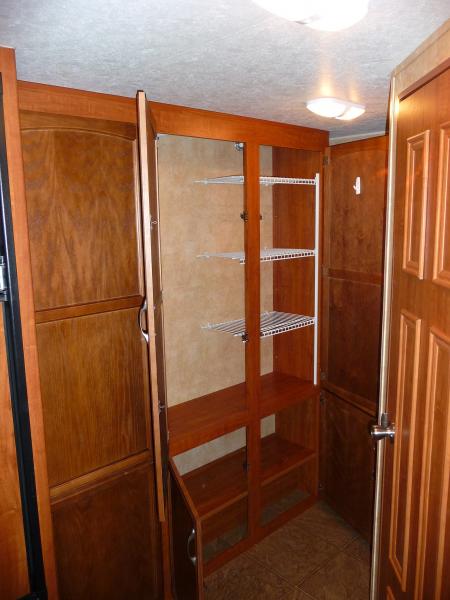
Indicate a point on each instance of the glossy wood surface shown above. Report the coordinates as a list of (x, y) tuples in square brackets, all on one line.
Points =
[(348, 462), (22, 251), (13, 557), (84, 215), (352, 278), (97, 181), (180, 120), (416, 508), (108, 539), (197, 421), (95, 410)]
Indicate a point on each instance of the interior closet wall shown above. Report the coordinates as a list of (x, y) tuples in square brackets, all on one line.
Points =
[(352, 288)]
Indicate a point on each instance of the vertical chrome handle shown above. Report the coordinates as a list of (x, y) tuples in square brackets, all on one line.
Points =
[(191, 538), (142, 310)]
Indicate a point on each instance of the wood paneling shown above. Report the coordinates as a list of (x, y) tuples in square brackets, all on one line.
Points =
[(93, 388), (354, 337), (434, 527), (91, 167), (22, 252), (348, 462), (441, 262), (38, 97), (402, 483), (351, 316), (417, 160), (194, 122), (13, 558), (107, 540)]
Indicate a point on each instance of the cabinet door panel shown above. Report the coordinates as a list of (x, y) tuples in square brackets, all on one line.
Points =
[(102, 552), (186, 542)]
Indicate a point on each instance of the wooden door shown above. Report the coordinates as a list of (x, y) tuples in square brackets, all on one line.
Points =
[(186, 541), (153, 303), (82, 189), (415, 526)]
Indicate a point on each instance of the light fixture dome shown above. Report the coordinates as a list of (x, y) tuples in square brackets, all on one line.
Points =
[(326, 15), (334, 108)]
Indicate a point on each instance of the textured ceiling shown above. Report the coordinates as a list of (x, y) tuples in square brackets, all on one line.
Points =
[(225, 55)]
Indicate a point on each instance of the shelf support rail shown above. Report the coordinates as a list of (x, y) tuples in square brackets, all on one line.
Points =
[(316, 275)]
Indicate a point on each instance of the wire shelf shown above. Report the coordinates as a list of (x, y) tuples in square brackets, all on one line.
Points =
[(264, 180), (272, 323), (267, 254)]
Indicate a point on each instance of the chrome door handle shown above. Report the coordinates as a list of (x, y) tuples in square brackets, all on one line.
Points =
[(191, 538), (142, 310), (378, 433)]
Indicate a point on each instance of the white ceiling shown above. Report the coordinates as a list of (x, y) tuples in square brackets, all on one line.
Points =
[(224, 55)]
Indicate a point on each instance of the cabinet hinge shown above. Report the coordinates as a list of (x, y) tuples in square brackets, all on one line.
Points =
[(326, 161), (244, 215), (3, 280)]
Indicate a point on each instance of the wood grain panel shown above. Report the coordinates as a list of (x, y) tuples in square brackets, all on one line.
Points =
[(91, 167), (354, 337), (94, 391), (405, 418), (102, 550), (13, 559), (441, 263), (348, 461), (434, 525), (356, 227), (416, 198)]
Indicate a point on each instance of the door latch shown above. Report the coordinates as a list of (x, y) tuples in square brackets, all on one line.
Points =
[(385, 429), (3, 280)]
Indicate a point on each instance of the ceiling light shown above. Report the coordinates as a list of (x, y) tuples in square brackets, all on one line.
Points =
[(327, 15), (334, 108)]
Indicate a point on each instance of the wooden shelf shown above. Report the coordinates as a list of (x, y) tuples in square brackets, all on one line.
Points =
[(278, 456), (218, 484), (279, 391), (201, 420), (224, 481)]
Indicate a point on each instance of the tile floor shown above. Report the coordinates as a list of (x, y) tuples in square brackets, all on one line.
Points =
[(316, 556)]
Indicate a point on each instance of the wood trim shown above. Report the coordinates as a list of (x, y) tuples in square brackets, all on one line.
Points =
[(70, 312), (407, 320), (410, 265), (195, 122), (436, 338), (20, 223), (59, 493), (252, 318), (367, 406), (424, 80), (355, 276), (441, 275), (38, 97)]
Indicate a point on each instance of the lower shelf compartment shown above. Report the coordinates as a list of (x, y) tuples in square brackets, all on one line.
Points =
[(224, 481)]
